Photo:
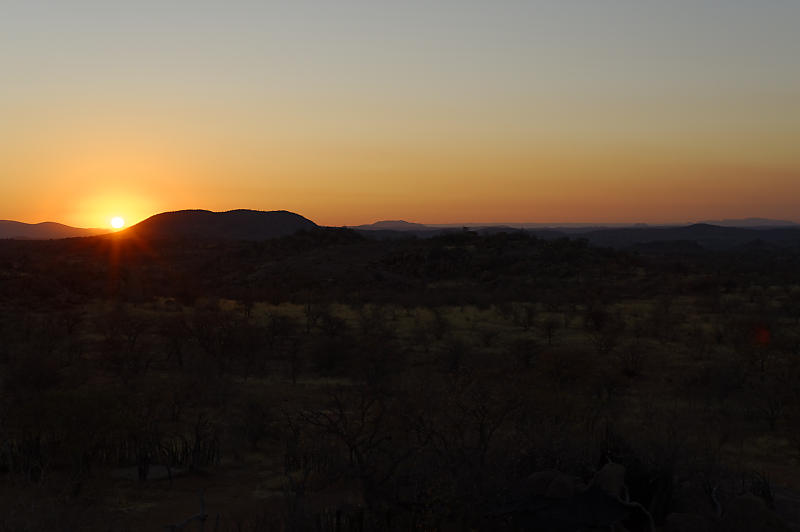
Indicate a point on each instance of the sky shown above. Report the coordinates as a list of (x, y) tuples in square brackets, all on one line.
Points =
[(348, 112)]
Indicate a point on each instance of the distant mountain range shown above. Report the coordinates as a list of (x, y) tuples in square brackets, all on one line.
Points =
[(726, 234), (43, 231), (402, 225), (391, 225), (260, 225), (751, 222), (231, 225), (705, 235)]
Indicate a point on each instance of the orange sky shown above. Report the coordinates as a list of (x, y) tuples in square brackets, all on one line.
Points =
[(492, 112)]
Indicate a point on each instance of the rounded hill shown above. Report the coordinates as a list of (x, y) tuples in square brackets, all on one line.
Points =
[(239, 224)]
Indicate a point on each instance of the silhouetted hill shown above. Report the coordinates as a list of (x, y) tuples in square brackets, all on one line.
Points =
[(392, 225), (43, 231), (231, 225)]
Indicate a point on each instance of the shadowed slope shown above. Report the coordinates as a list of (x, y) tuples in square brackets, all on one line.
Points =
[(231, 225)]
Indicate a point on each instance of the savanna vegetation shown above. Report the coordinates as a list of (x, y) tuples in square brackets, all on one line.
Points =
[(325, 381)]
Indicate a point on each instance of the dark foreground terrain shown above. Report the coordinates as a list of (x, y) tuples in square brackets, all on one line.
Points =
[(328, 381)]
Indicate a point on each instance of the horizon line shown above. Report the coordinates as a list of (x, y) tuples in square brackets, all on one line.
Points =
[(455, 224)]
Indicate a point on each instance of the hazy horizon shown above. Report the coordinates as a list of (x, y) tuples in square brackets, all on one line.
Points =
[(457, 223)]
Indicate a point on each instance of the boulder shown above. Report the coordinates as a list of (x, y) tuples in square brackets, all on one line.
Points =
[(611, 480), (564, 486), (692, 498), (538, 482)]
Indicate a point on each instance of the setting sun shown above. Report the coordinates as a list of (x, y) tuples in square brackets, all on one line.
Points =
[(117, 222)]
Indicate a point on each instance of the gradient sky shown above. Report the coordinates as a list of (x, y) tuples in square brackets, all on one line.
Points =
[(439, 111)]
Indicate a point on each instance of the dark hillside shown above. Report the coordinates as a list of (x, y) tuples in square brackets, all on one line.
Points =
[(231, 225)]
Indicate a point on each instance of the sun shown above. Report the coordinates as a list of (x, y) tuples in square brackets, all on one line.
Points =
[(117, 222)]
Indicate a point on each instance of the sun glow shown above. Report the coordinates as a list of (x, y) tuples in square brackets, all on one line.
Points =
[(117, 222)]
